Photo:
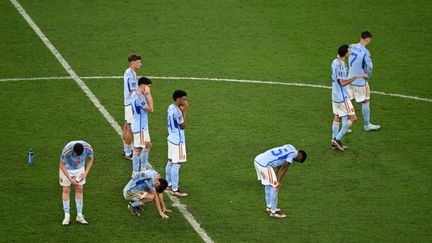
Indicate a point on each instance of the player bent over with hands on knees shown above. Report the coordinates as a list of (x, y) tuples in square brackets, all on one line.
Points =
[(145, 187), (342, 105), (72, 164), (265, 164)]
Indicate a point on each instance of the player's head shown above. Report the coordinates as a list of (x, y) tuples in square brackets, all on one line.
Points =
[(78, 149), (343, 50), (134, 61), (366, 37), (161, 185), (144, 81), (179, 97), (301, 156)]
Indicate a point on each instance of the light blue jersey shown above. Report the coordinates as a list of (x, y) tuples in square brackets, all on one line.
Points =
[(359, 63), (142, 181), (73, 161), (339, 71), (139, 115), (176, 135), (276, 157), (130, 84)]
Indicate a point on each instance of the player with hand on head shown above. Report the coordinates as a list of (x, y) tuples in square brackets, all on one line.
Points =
[(176, 140), (342, 106), (145, 187), (141, 103), (360, 62), (73, 170), (279, 158), (130, 85)]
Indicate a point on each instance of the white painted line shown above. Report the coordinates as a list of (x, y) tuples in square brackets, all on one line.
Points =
[(226, 80), (182, 208)]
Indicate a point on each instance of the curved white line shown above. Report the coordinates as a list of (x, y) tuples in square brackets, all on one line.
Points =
[(225, 80)]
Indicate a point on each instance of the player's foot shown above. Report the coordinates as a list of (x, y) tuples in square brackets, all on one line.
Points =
[(338, 145), (277, 215), (178, 193), (128, 157), (371, 127), (134, 210), (268, 210), (80, 219), (66, 220)]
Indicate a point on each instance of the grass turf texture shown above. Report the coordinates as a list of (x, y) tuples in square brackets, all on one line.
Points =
[(377, 191)]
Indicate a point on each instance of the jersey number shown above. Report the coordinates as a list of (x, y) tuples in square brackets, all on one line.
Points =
[(277, 152), (354, 57)]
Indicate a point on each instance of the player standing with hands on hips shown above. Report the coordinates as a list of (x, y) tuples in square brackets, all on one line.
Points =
[(73, 170)]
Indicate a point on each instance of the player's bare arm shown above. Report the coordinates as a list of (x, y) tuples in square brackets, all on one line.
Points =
[(162, 202), (282, 171), (88, 168), (158, 205), (344, 82)]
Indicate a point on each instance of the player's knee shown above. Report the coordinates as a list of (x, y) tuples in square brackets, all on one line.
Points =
[(366, 102), (79, 189), (66, 189)]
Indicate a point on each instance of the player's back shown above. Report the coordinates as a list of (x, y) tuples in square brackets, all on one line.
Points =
[(357, 63), (276, 156), (142, 181)]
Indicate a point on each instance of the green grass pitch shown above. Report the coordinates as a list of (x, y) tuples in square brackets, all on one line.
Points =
[(377, 191)]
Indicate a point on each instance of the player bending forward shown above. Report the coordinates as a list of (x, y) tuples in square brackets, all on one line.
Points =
[(72, 164), (145, 187), (342, 106), (265, 164)]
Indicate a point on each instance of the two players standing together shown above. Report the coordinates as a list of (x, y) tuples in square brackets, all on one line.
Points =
[(348, 84)]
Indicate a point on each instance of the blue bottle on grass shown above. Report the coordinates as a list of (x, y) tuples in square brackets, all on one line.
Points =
[(30, 157)]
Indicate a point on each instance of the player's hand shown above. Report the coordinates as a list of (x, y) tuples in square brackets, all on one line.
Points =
[(167, 210), (83, 176), (164, 216), (73, 181), (277, 186), (185, 106), (363, 75)]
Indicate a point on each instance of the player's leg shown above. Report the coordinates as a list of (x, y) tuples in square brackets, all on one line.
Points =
[(178, 156), (79, 202), (146, 150), (274, 210), (127, 133), (335, 126), (134, 205), (168, 168), (362, 95), (139, 144), (66, 205)]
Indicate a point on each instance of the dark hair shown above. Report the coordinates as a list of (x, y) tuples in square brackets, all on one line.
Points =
[(144, 80), (162, 186), (78, 148), (179, 93), (134, 57), (304, 155), (366, 34), (343, 50)]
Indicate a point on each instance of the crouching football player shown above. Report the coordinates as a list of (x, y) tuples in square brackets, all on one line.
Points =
[(266, 163), (145, 187)]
